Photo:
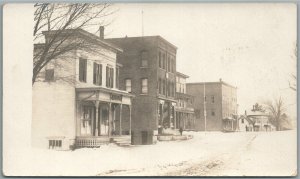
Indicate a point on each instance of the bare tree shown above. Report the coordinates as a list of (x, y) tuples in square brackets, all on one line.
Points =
[(276, 109), (56, 19)]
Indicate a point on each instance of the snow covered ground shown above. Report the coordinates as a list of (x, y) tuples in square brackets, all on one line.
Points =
[(207, 154)]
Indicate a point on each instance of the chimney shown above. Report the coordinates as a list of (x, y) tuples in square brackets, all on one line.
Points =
[(101, 29), (245, 112), (220, 79)]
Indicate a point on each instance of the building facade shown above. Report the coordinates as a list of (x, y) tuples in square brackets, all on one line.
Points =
[(260, 121), (149, 72), (215, 105), (184, 111), (76, 100)]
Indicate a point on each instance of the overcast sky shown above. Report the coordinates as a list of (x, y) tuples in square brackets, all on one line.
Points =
[(250, 46)]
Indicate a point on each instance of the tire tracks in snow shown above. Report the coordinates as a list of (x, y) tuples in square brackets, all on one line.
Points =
[(213, 166)]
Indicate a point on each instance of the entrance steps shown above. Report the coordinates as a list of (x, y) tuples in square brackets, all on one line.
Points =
[(123, 141)]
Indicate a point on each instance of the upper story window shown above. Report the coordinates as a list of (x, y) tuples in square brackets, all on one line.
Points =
[(164, 61), (144, 86), (213, 99), (212, 112), (117, 77), (159, 60), (49, 75), (128, 85), (82, 69), (169, 64), (97, 75), (109, 77), (144, 59)]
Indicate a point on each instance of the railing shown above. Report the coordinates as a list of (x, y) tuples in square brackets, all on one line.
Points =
[(91, 141)]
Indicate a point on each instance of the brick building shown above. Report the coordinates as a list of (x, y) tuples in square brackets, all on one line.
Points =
[(219, 102), (184, 108), (76, 100), (149, 72)]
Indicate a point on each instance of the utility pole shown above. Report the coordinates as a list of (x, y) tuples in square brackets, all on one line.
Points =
[(204, 107)]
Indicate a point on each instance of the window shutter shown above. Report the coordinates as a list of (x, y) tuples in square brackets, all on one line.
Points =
[(112, 78), (84, 70), (95, 73), (100, 74), (107, 76)]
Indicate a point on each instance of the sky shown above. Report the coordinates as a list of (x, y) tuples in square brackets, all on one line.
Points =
[(251, 46)]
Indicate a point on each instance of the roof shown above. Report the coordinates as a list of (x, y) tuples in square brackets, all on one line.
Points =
[(256, 113), (88, 35), (140, 37), (182, 75), (208, 83)]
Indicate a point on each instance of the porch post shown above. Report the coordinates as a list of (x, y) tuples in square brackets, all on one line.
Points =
[(109, 119), (170, 120), (175, 120), (96, 123), (129, 119), (120, 131)]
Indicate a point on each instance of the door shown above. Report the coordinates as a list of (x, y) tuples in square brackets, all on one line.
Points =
[(144, 137)]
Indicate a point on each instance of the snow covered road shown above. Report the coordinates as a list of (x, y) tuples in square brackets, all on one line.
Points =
[(207, 154)]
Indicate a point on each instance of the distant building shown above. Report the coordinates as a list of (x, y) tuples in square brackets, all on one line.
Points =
[(184, 109), (148, 72), (219, 100), (76, 101), (260, 121), (244, 124)]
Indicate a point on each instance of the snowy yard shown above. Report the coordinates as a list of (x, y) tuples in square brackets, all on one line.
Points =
[(207, 154)]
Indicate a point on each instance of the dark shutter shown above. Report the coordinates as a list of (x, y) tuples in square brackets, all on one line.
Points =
[(95, 73), (117, 78), (100, 74), (107, 76), (82, 69), (112, 77)]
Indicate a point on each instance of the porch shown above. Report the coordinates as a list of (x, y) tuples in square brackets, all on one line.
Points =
[(102, 116)]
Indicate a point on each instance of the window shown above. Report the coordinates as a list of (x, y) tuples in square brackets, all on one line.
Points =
[(169, 64), (197, 114), (128, 85), (82, 69), (109, 77), (164, 60), (243, 121), (49, 75), (159, 60), (213, 99), (144, 59), (97, 79), (144, 86), (204, 98), (159, 86), (117, 77), (54, 144), (213, 113)]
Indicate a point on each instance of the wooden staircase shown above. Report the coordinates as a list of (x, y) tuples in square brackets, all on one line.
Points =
[(124, 141)]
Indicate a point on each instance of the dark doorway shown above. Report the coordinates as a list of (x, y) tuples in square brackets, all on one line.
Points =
[(144, 137)]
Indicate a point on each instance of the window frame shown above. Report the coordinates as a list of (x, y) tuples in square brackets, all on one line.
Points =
[(83, 70), (47, 76), (125, 81), (143, 86)]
